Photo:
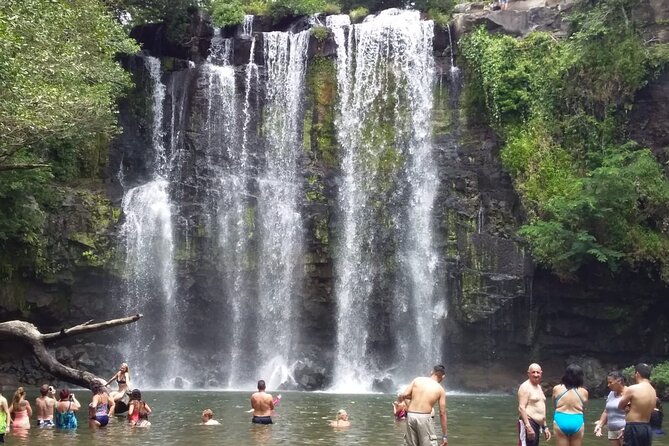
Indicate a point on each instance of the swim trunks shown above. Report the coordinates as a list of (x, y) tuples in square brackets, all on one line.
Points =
[(615, 434), (102, 419), (44, 423), (637, 434), (261, 420), (569, 423), (420, 430), (523, 439)]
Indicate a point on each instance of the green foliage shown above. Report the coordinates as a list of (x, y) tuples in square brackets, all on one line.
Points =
[(660, 378), (358, 14), (226, 12), (560, 106), (320, 33), (59, 82)]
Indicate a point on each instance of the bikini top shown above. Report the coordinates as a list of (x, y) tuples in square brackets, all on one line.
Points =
[(563, 393)]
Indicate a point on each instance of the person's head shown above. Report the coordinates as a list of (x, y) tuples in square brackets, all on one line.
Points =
[(65, 394), (615, 381), (44, 389), (534, 373), (261, 385), (96, 388), (573, 376), (342, 415), (18, 396), (124, 368), (643, 370), (439, 372), (136, 395), (207, 415)]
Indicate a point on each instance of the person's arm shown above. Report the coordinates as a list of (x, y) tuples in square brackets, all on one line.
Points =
[(147, 408), (112, 404), (603, 419), (76, 405), (443, 419), (406, 394), (394, 408), (131, 409), (271, 402), (626, 398), (111, 379)]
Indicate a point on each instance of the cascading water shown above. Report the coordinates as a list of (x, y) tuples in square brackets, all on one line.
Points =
[(386, 286), (151, 278), (280, 222)]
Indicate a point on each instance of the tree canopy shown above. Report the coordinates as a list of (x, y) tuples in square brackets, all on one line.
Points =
[(59, 82), (561, 107)]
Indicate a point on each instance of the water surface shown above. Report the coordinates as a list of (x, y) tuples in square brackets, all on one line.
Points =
[(301, 419)]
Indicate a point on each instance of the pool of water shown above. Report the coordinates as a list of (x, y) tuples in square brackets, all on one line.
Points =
[(301, 419)]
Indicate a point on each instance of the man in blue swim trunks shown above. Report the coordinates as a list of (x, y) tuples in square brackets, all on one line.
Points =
[(639, 402), (532, 409), (262, 404)]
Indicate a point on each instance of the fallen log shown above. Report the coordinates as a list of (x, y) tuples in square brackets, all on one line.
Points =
[(29, 334)]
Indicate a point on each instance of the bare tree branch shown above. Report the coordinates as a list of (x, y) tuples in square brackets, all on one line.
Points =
[(28, 333)]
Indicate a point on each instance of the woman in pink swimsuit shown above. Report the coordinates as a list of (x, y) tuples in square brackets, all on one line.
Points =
[(20, 410)]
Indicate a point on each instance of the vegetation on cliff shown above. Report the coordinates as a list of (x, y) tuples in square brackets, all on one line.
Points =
[(59, 82), (561, 106)]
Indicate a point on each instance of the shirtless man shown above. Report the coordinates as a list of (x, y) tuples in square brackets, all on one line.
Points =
[(423, 393), (532, 408), (638, 401), (44, 404), (262, 404)]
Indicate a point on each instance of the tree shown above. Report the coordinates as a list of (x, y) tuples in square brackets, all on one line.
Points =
[(59, 82), (28, 333)]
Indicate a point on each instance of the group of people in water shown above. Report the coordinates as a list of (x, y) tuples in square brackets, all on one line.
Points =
[(60, 413), (631, 417)]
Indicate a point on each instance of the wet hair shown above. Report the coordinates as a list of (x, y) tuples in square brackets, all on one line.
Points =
[(64, 394), (341, 413), (208, 413), (18, 395), (573, 376), (44, 389), (439, 370), (643, 370), (616, 376), (96, 388), (261, 384), (136, 395)]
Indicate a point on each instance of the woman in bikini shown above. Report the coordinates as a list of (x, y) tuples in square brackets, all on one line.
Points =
[(122, 378), (569, 399)]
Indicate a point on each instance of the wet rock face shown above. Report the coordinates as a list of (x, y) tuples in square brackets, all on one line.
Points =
[(502, 312)]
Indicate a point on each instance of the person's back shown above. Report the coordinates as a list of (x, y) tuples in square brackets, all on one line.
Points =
[(642, 402), (65, 409), (424, 395), (262, 404), (570, 400), (44, 405)]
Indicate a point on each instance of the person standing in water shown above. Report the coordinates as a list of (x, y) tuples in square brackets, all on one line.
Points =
[(44, 405), (100, 407), (612, 417), (532, 408), (638, 401), (569, 399), (5, 417), (423, 393), (262, 404)]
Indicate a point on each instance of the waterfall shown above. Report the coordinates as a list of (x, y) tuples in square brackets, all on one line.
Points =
[(151, 280), (247, 25), (280, 222), (386, 286)]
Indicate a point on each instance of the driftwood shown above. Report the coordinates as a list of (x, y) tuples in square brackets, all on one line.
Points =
[(28, 333)]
